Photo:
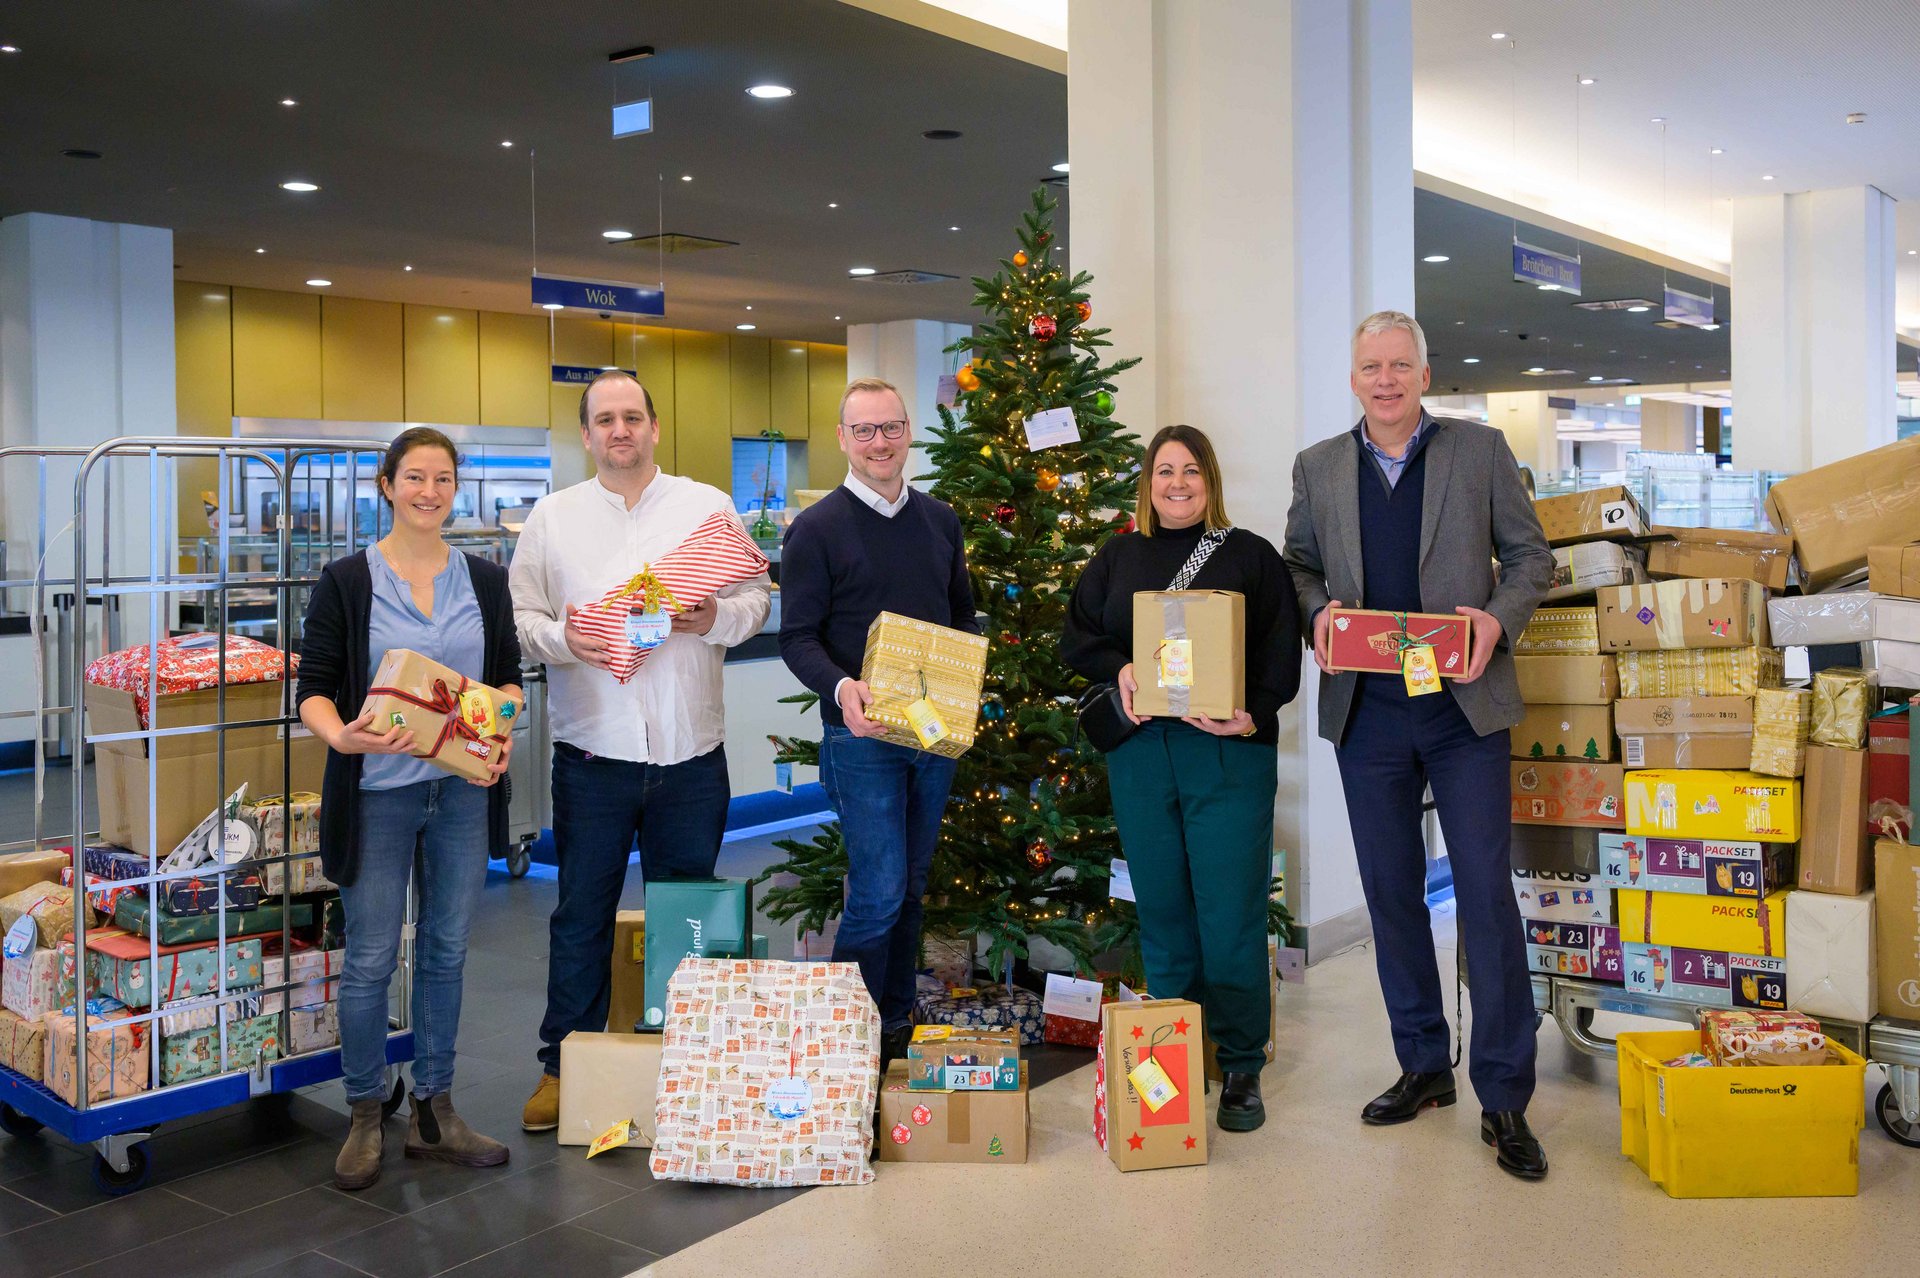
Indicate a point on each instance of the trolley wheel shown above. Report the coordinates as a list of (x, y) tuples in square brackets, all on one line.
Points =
[(15, 1123), (116, 1183), (392, 1103), (1887, 1110), (519, 860)]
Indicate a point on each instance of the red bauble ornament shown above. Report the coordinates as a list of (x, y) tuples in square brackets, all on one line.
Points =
[(1004, 513), (1043, 327), (1046, 480), (1039, 855), (1020, 258), (966, 379), (1084, 310), (1042, 238)]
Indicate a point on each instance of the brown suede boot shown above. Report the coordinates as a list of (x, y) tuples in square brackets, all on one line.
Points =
[(359, 1163), (435, 1131)]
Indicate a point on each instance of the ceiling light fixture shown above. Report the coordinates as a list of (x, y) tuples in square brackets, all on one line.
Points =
[(1659, 119), (832, 204), (1586, 79), (1471, 359), (1766, 177), (319, 283), (859, 270), (1499, 35), (259, 250), (301, 187), (953, 228), (288, 102), (9, 48), (770, 91), (836, 317), (1436, 257), (616, 236), (746, 328), (1636, 310), (406, 268), (506, 143), (1549, 288), (1596, 378), (1856, 117), (1716, 150), (1709, 328), (749, 308), (1536, 369), (686, 177), (1062, 167), (550, 306)]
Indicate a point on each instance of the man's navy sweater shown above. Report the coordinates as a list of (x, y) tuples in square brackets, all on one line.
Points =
[(843, 563)]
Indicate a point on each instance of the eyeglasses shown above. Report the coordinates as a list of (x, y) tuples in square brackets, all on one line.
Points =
[(864, 431)]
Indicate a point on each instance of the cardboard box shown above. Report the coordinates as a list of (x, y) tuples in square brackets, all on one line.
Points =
[(1894, 570), (24, 869), (1803, 620), (908, 661), (1896, 871), (1575, 949), (1701, 867), (1709, 978), (942, 1058), (457, 724), (1739, 925), (1564, 631), (1137, 1136), (1834, 969), (1602, 513), (627, 1006), (1580, 570), (1719, 750), (1714, 612), (1700, 672), (1547, 897), (1837, 512), (1564, 732), (1896, 619), (1564, 679), (950, 1127), (1554, 849), (691, 918), (1552, 792), (607, 1079), (1189, 652), (1372, 641), (1720, 552), (187, 783), (1834, 852), (1782, 717), (1892, 664), (1889, 753), (1684, 714), (1703, 804), (1843, 698)]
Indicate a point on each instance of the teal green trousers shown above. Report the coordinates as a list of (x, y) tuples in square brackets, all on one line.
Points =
[(1196, 822)]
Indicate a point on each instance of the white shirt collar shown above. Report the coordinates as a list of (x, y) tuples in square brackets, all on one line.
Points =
[(619, 501), (859, 489)]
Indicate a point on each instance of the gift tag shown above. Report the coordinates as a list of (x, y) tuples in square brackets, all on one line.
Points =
[(789, 1099), (926, 722), (1174, 661), (238, 840), (1417, 666), (621, 1133), (647, 630), (476, 711), (1051, 429), (1153, 1084), (21, 937)]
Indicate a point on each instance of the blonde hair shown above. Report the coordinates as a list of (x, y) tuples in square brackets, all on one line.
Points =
[(859, 384), (1201, 447), (1385, 322)]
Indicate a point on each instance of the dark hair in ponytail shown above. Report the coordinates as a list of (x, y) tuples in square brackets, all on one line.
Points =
[(405, 442)]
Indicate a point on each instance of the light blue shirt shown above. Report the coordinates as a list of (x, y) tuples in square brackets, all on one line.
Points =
[(1390, 466), (454, 636)]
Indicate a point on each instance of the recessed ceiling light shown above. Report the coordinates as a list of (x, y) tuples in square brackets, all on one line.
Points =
[(832, 204), (506, 143), (749, 308), (302, 187), (319, 283), (746, 328), (1586, 79), (1716, 150), (616, 235), (1636, 310), (1471, 359), (1436, 257), (1766, 177), (836, 317), (550, 306), (1549, 288), (9, 48), (1708, 328), (1062, 167), (406, 268), (1536, 369), (1499, 35), (859, 270), (1912, 252), (259, 250), (1659, 119), (686, 177), (288, 102), (1856, 117), (1596, 378), (771, 91), (953, 228)]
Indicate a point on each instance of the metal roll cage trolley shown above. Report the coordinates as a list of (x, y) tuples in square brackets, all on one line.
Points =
[(118, 1128)]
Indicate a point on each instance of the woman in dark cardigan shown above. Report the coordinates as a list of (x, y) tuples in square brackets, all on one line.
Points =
[(386, 817)]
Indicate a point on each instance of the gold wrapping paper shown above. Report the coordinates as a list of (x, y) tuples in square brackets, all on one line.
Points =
[(1699, 672), (1782, 718), (907, 660), (1564, 630), (1842, 700)]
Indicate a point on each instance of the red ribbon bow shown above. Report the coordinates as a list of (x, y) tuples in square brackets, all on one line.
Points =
[(445, 701)]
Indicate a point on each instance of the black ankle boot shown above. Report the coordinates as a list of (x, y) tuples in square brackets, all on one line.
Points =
[(1241, 1109)]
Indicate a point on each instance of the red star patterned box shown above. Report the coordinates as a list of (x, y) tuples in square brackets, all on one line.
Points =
[(1148, 1108)]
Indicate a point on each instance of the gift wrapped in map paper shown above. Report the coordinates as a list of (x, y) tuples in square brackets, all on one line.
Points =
[(458, 724), (768, 1074), (1740, 1037), (635, 616), (925, 681), (116, 1053)]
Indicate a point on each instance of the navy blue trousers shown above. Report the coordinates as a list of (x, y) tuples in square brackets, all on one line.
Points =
[(1395, 747)]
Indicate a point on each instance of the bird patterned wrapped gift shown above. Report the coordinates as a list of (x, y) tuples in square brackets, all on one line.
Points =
[(769, 1073), (116, 1053), (190, 1041), (189, 663), (119, 964), (990, 1007), (925, 681), (23, 1045)]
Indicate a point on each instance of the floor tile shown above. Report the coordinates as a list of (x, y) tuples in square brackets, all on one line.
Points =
[(279, 1173), (251, 1240), (564, 1249), (18, 1213), (106, 1228), (674, 1214), (174, 1153), (311, 1264)]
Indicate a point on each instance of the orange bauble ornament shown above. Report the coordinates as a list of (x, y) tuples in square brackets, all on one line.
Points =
[(1020, 258), (966, 379), (1084, 310), (1046, 480)]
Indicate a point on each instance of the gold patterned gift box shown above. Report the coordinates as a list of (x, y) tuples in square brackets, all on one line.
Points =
[(768, 1074), (1782, 718), (1699, 672), (1842, 699), (23, 1045), (926, 682), (1562, 630)]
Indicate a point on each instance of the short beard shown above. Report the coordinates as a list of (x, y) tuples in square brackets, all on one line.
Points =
[(638, 463)]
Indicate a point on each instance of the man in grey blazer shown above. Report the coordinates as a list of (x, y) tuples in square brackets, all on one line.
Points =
[(1408, 513)]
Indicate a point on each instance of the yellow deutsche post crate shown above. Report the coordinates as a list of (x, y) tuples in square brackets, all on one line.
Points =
[(1740, 1131)]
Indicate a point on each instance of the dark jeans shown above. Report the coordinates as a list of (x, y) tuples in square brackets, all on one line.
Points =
[(890, 800), (679, 813), (1395, 747)]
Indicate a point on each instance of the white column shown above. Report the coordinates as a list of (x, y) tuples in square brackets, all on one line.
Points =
[(1813, 336), (912, 354), (1243, 194), (1532, 429)]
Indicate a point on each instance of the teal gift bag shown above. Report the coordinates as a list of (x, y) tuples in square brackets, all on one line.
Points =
[(702, 918)]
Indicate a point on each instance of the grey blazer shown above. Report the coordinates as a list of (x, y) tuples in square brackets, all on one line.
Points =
[(1475, 509)]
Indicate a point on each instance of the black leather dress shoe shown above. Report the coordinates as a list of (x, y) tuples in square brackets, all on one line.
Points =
[(893, 1047), (1406, 1098), (1514, 1147), (1241, 1109)]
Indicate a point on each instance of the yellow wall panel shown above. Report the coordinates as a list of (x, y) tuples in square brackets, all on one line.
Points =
[(276, 354), (750, 362), (787, 389), (203, 389), (649, 353), (362, 372), (702, 408), (443, 365), (514, 369), (574, 341), (826, 382)]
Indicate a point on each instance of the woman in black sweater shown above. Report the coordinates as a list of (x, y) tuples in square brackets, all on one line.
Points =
[(1193, 797)]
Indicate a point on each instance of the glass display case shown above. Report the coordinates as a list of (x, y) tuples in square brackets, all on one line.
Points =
[(1682, 495)]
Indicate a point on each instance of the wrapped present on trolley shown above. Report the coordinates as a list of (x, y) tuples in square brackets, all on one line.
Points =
[(636, 616)]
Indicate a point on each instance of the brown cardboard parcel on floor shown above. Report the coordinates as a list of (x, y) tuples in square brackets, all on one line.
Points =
[(950, 1127), (607, 1079)]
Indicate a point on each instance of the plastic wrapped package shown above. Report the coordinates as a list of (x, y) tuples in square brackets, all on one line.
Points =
[(1837, 512), (1845, 616), (1892, 665)]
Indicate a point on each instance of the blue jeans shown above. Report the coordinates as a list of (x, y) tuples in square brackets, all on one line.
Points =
[(890, 800), (678, 812), (435, 831)]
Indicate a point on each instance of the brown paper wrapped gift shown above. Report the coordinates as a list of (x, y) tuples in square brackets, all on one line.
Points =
[(23, 1045), (1137, 1135), (1894, 570), (24, 869), (116, 1053), (458, 724), (1834, 853), (49, 905), (607, 1079), (1189, 653), (909, 661)]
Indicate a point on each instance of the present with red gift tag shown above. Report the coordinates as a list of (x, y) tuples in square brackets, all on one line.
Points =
[(458, 724), (636, 616), (1376, 642)]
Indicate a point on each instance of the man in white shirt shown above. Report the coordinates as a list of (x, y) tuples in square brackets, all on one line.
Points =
[(644, 758)]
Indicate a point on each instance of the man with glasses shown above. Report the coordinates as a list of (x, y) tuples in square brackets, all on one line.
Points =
[(874, 545)]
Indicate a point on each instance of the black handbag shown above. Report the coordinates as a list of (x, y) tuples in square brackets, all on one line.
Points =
[(1103, 720)]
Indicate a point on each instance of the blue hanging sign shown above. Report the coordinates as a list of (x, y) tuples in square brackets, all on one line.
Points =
[(633, 117), (581, 374), (1689, 308), (1544, 266), (597, 295)]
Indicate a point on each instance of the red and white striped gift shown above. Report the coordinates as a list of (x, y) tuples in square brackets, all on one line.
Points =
[(715, 555)]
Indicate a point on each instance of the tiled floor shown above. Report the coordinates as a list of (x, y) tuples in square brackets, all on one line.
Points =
[(249, 1190)]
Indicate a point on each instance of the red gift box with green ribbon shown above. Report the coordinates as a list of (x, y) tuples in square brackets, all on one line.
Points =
[(1376, 642)]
